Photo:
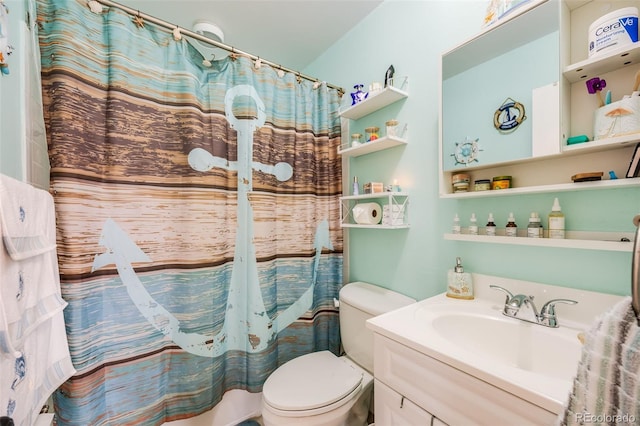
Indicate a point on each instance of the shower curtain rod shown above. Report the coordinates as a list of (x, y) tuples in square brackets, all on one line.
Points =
[(197, 36)]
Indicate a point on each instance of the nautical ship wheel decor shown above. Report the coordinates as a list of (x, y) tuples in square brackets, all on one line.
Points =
[(466, 152), (509, 116)]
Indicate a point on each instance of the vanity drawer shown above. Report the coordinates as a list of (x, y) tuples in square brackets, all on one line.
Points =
[(393, 409), (448, 393)]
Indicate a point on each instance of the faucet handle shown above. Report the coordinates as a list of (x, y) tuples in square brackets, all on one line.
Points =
[(548, 311), (504, 290)]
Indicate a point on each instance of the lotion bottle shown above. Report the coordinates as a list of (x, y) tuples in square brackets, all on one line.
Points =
[(356, 188), (460, 283), (556, 221)]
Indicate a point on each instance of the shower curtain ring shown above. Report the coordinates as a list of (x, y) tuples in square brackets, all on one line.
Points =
[(177, 35)]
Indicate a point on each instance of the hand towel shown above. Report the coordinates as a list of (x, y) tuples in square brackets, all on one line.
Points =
[(34, 353), (606, 388)]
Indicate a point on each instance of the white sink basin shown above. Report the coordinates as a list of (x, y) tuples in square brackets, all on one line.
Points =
[(517, 344), (531, 361)]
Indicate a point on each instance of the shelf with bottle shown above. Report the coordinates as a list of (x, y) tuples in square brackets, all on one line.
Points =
[(603, 63), (558, 169), (384, 142), (604, 241), (378, 100), (393, 210)]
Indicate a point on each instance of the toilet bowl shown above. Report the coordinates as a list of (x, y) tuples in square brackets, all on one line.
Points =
[(322, 389)]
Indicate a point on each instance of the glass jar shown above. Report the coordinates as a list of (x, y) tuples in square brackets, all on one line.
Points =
[(372, 133), (501, 182), (392, 128), (356, 139), (482, 185)]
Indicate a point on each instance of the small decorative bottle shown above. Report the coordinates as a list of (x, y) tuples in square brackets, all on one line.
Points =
[(556, 221), (456, 224), (534, 229), (356, 188), (491, 226), (460, 283), (511, 229), (473, 225)]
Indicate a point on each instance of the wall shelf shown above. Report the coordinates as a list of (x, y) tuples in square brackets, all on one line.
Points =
[(606, 241), (385, 97), (398, 200), (603, 63), (385, 142), (540, 189)]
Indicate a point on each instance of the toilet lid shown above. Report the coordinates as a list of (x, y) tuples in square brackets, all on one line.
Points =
[(310, 381)]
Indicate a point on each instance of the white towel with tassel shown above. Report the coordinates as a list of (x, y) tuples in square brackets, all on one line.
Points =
[(606, 389), (34, 353)]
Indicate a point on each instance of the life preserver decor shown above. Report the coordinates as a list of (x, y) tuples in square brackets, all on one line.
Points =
[(509, 116)]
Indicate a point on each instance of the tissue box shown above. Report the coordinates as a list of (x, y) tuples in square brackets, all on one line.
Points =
[(393, 215), (617, 119), (373, 187)]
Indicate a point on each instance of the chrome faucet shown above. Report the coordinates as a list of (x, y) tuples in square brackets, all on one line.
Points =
[(547, 315)]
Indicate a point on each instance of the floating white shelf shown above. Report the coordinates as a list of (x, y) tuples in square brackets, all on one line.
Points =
[(384, 142), (601, 144), (601, 64), (607, 241), (352, 225), (385, 97), (560, 187)]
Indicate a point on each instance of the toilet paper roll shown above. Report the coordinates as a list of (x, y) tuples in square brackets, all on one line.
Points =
[(367, 213)]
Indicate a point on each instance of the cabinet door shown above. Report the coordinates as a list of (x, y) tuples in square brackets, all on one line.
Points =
[(488, 85), (392, 409)]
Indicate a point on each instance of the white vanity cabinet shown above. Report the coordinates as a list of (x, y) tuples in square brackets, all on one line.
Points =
[(410, 388)]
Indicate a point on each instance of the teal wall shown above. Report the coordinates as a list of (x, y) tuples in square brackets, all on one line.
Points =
[(12, 98), (412, 35)]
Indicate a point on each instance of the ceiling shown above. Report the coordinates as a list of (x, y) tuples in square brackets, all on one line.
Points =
[(291, 33)]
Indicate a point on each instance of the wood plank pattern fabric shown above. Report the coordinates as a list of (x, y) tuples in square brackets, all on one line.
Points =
[(183, 282)]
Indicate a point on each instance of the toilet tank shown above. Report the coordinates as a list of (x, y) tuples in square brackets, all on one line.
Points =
[(358, 302)]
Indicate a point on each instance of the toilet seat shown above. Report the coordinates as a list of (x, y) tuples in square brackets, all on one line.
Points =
[(312, 382)]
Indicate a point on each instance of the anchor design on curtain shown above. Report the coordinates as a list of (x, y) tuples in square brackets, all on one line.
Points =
[(247, 327)]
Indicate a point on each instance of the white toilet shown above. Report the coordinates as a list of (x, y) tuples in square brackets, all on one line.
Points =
[(320, 389)]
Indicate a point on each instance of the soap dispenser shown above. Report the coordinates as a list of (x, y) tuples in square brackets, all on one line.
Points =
[(460, 284)]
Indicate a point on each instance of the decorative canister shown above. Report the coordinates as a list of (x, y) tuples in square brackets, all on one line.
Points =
[(460, 182), (372, 133), (482, 185), (356, 139), (392, 127), (501, 182)]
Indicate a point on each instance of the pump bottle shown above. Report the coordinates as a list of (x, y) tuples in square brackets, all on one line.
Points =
[(460, 283), (356, 188)]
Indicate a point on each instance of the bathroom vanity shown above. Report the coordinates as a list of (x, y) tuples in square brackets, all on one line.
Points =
[(455, 361)]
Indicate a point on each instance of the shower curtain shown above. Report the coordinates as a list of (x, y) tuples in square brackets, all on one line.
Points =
[(198, 216)]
